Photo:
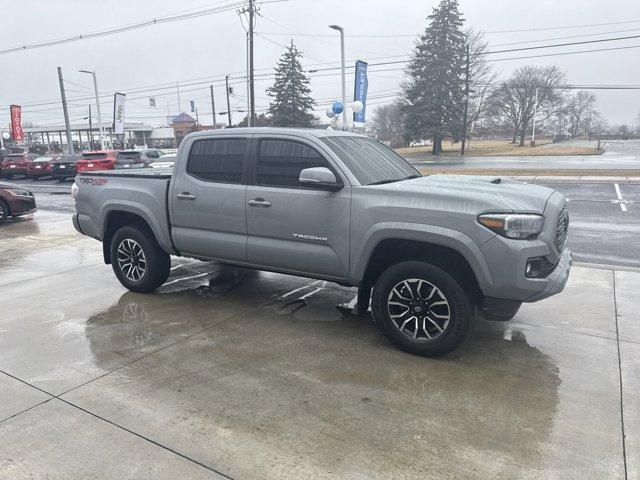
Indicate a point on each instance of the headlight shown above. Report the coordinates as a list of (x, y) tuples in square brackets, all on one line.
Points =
[(513, 225), (21, 193)]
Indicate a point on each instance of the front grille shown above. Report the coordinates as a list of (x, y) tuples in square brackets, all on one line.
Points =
[(562, 229)]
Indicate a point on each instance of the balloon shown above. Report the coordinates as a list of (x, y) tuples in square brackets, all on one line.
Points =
[(357, 106), (330, 113), (337, 107)]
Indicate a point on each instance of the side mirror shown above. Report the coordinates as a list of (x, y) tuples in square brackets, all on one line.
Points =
[(320, 178)]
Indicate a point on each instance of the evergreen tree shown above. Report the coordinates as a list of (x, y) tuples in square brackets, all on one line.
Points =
[(291, 93), (434, 92)]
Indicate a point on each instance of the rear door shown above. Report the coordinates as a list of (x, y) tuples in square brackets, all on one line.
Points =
[(291, 227), (207, 198)]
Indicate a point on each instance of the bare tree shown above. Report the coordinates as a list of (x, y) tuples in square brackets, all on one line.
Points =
[(482, 78), (387, 124), (580, 107), (530, 91)]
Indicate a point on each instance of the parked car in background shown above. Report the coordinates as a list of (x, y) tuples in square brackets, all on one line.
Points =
[(64, 167), (40, 167), (165, 161), (16, 164), (15, 201), (137, 158), (99, 160)]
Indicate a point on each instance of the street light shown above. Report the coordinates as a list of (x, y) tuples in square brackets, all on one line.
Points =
[(344, 84), (95, 88)]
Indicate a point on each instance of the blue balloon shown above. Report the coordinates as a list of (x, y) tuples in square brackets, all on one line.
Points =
[(337, 107)]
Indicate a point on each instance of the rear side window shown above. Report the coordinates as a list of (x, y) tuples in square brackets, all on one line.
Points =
[(281, 161), (218, 160)]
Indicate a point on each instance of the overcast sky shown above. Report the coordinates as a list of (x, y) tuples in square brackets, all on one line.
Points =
[(202, 50)]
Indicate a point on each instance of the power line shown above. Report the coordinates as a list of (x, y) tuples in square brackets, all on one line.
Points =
[(565, 27), (133, 26)]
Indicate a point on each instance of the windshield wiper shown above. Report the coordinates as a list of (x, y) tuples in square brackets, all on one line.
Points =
[(391, 180)]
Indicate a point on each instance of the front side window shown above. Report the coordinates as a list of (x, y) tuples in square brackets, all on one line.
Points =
[(217, 160), (281, 161)]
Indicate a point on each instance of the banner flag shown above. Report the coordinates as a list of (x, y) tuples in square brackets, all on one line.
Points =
[(16, 123), (360, 90), (118, 113), (152, 102), (193, 106)]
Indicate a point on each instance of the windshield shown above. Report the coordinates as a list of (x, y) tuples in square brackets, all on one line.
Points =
[(370, 161)]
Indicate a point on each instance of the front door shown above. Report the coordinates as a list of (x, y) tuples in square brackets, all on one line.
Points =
[(291, 227), (207, 199)]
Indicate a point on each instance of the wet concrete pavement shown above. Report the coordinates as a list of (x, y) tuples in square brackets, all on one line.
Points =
[(231, 373)]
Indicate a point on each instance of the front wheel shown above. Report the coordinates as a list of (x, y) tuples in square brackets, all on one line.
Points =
[(4, 211), (421, 309), (137, 260)]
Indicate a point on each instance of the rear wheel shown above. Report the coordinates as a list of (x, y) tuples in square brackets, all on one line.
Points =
[(4, 211), (421, 309), (8, 176), (137, 260)]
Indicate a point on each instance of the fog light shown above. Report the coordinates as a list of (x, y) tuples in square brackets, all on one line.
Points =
[(539, 267)]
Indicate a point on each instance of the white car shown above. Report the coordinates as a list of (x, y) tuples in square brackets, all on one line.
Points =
[(165, 161)]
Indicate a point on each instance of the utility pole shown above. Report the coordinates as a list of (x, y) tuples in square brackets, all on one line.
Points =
[(66, 112), (466, 104), (252, 113), (179, 104), (213, 107), (226, 81), (535, 110)]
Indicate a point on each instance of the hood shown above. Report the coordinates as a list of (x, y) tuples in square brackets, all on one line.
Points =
[(487, 191)]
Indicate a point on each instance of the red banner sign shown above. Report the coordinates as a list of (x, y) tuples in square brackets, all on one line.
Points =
[(16, 123)]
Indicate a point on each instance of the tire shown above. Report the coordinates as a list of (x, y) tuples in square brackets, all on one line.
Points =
[(8, 176), (150, 264), (4, 211), (431, 339)]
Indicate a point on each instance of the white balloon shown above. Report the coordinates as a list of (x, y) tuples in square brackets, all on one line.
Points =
[(357, 106), (330, 113)]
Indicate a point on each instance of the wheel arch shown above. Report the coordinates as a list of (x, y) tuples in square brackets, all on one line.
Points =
[(115, 219), (448, 249)]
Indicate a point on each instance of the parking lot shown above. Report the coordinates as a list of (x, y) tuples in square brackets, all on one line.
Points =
[(238, 374)]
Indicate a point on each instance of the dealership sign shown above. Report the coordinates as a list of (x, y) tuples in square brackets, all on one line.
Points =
[(16, 123), (118, 113), (360, 90)]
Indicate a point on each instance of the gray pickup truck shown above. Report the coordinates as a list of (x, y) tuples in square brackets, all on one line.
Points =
[(426, 253)]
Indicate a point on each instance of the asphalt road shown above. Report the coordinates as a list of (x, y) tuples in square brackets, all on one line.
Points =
[(602, 229), (618, 155)]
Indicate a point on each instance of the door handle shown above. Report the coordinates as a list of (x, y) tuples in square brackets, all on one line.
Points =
[(186, 196), (259, 202)]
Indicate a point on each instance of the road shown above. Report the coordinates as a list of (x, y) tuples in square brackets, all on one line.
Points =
[(618, 155), (602, 230)]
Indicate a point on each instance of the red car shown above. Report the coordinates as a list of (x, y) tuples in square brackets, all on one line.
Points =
[(16, 164), (100, 160), (15, 201), (40, 167)]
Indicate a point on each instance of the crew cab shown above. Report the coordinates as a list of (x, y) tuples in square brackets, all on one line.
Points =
[(98, 160), (426, 252)]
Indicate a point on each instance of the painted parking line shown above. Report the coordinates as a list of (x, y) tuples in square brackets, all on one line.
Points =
[(623, 206)]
